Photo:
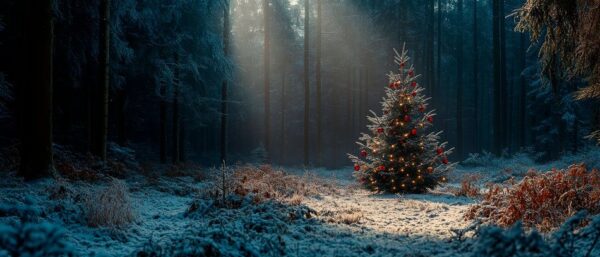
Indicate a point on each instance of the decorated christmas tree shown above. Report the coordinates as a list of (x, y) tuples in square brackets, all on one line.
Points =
[(401, 155)]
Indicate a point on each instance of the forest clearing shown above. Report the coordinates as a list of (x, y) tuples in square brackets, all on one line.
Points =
[(412, 128)]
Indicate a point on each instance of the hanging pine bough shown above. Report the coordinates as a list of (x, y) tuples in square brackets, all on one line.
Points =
[(570, 42), (401, 156)]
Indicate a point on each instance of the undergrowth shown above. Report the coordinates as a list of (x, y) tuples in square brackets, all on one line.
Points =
[(34, 239), (541, 200), (109, 207), (231, 186), (572, 239), (468, 186)]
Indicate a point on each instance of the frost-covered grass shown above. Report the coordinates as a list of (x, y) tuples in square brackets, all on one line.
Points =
[(109, 206), (315, 212)]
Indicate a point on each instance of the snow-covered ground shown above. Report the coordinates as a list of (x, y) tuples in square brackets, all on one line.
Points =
[(347, 221)]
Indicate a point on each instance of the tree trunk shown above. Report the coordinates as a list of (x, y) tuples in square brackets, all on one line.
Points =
[(182, 135), (430, 51), (499, 76), (318, 72), (282, 124), (176, 118), (223, 138), (163, 124), (90, 80), (100, 126), (306, 81), (459, 87), (267, 66), (503, 80), (439, 46), (121, 99), (523, 91), (476, 107), (34, 90), (334, 125)]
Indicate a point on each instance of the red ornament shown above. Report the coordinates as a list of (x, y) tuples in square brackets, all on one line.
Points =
[(421, 108), (445, 160), (380, 130), (406, 118), (414, 94), (363, 153), (411, 73), (413, 132), (356, 167), (413, 84), (430, 119), (392, 85), (381, 168), (439, 150), (402, 65)]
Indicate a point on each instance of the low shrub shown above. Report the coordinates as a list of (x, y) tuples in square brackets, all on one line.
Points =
[(110, 206), (571, 240), (262, 183), (541, 200), (34, 239), (75, 166), (468, 187)]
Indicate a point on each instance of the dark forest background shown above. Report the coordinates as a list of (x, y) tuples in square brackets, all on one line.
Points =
[(287, 82)]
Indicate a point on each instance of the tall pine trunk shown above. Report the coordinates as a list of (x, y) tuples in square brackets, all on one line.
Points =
[(523, 91), (476, 107), (223, 138), (430, 41), (499, 77), (163, 123), (439, 45), (306, 81), (503, 80), (459, 87), (267, 66), (282, 124), (100, 117), (176, 118), (182, 136), (121, 98), (34, 89), (318, 73)]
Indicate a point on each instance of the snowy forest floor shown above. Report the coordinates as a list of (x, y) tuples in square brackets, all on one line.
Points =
[(343, 221)]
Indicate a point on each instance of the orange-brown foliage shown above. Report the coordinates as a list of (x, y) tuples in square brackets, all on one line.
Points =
[(468, 187), (541, 200), (264, 182), (72, 172)]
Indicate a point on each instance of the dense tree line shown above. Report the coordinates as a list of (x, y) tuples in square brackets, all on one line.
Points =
[(287, 82)]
